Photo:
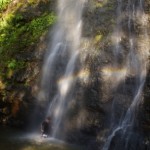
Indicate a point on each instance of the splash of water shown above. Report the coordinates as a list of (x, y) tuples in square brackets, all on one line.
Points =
[(65, 46), (137, 59)]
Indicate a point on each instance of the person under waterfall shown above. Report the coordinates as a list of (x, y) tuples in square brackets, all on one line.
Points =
[(46, 127)]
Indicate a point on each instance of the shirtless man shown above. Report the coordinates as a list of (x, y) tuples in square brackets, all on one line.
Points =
[(46, 127)]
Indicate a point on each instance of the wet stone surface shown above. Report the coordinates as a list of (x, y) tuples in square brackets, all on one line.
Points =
[(11, 139)]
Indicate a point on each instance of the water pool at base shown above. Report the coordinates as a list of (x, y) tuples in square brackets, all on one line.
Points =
[(11, 139)]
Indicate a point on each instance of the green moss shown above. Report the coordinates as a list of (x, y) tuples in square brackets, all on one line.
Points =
[(98, 38), (4, 4), (99, 5), (19, 4), (12, 68), (32, 2), (15, 38), (39, 25), (14, 64), (17, 33)]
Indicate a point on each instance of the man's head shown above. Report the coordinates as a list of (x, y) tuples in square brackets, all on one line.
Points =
[(48, 118)]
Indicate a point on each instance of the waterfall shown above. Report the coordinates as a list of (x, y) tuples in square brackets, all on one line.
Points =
[(136, 62), (64, 48)]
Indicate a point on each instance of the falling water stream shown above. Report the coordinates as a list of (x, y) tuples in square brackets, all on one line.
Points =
[(135, 65), (65, 46)]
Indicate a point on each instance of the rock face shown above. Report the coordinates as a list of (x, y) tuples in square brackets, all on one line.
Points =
[(88, 119), (29, 22), (99, 99)]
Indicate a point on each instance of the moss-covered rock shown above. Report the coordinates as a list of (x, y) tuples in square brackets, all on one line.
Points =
[(23, 28)]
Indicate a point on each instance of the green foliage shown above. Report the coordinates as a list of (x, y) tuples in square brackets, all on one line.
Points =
[(14, 64), (16, 34), (98, 38), (39, 25), (4, 4), (32, 2), (99, 5)]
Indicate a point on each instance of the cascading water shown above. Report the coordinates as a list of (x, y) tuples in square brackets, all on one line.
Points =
[(65, 48), (135, 66)]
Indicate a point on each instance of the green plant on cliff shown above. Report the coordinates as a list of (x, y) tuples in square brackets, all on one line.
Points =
[(4, 4), (18, 32), (14, 64), (39, 25), (15, 31)]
